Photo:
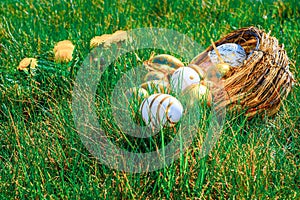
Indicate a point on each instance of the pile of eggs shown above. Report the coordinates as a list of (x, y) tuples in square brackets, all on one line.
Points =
[(167, 75)]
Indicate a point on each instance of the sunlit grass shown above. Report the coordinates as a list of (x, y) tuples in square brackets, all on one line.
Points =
[(42, 155)]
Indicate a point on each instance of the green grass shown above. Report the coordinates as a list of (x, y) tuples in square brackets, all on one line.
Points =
[(41, 153)]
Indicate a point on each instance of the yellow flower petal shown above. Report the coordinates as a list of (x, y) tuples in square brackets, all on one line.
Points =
[(99, 40), (107, 39), (62, 45), (64, 55), (116, 37), (63, 51), (27, 62)]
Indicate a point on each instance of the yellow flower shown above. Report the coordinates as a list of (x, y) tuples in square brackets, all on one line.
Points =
[(64, 55), (99, 40), (116, 37), (63, 51), (27, 62), (107, 39)]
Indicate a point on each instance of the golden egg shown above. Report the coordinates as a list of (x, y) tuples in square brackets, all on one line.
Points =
[(155, 75), (165, 59), (196, 93), (223, 68)]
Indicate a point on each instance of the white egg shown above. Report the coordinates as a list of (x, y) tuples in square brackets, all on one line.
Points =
[(182, 78), (231, 53), (198, 69), (160, 109)]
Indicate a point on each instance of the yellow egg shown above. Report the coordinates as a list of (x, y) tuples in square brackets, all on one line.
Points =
[(166, 59), (196, 93), (223, 68), (155, 75)]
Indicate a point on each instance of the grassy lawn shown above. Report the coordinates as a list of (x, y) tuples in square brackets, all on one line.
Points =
[(41, 153)]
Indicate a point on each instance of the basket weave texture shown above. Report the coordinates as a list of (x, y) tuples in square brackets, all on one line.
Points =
[(264, 79)]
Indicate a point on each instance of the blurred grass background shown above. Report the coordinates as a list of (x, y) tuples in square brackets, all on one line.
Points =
[(41, 153)]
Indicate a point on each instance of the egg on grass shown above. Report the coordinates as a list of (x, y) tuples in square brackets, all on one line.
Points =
[(182, 78), (159, 110)]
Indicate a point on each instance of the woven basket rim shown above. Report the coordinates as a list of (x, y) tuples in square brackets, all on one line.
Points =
[(263, 80)]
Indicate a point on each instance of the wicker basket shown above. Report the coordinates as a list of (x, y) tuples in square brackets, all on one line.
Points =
[(264, 79)]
